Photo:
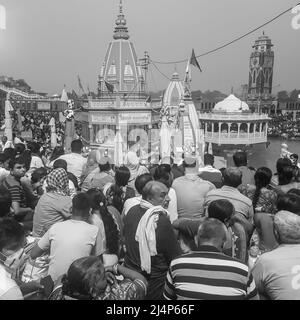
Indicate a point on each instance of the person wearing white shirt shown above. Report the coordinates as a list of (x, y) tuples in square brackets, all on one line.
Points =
[(3, 171), (5, 143), (17, 138), (76, 162), (209, 173), (70, 240), (294, 158)]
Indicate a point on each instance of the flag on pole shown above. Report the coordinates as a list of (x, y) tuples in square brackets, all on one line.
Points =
[(2, 18), (194, 62), (188, 76), (109, 86)]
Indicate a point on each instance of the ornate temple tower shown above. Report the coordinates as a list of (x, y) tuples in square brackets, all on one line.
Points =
[(122, 117), (261, 75), (121, 67)]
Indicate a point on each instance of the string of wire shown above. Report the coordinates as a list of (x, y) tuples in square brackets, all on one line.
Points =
[(230, 42)]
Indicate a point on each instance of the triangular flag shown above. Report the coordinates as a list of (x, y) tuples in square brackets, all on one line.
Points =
[(109, 87), (148, 99), (194, 62)]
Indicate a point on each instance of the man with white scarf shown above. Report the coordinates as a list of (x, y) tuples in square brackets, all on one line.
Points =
[(149, 238)]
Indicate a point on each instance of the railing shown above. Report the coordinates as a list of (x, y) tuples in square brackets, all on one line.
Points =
[(240, 117), (20, 93), (235, 138)]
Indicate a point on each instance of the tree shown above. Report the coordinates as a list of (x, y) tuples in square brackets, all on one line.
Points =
[(283, 95), (294, 94)]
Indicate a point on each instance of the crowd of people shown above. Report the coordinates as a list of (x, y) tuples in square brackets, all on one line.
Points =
[(284, 126), (38, 124), (77, 227)]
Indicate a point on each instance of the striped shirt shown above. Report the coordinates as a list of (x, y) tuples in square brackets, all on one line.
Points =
[(208, 275), (16, 190)]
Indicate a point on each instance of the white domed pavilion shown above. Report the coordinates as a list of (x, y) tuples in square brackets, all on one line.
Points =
[(232, 123)]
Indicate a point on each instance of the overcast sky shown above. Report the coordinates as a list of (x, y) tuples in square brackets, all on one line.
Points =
[(49, 42)]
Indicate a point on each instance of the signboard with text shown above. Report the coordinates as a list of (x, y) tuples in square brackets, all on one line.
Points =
[(103, 118), (137, 118)]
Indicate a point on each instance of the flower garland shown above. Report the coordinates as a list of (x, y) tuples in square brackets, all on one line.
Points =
[(69, 113), (172, 118)]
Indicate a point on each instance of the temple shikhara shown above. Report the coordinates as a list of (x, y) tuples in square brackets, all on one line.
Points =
[(123, 110)]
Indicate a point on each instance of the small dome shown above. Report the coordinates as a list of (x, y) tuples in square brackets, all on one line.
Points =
[(231, 104)]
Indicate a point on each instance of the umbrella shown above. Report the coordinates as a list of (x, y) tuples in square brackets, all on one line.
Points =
[(165, 139), (118, 154), (8, 121), (53, 133)]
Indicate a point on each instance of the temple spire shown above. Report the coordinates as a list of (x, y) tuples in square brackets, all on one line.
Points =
[(121, 7), (121, 30)]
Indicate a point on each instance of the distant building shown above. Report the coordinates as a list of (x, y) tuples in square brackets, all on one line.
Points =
[(261, 75)]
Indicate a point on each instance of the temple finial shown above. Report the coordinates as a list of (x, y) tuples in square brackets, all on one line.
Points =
[(121, 30), (121, 7)]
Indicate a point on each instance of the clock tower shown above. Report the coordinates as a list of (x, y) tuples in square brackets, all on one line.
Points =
[(261, 75)]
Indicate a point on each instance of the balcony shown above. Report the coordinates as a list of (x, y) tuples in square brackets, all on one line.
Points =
[(246, 117), (235, 138)]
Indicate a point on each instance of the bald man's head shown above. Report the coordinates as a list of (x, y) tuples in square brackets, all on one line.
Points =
[(156, 193), (232, 177), (211, 232)]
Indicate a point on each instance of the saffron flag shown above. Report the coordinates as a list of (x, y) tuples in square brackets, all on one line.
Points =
[(194, 62), (2, 18), (109, 87)]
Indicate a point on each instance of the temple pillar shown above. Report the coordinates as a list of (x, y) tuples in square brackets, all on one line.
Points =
[(260, 129), (239, 127), (254, 131), (220, 125), (91, 133), (248, 130), (229, 127)]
